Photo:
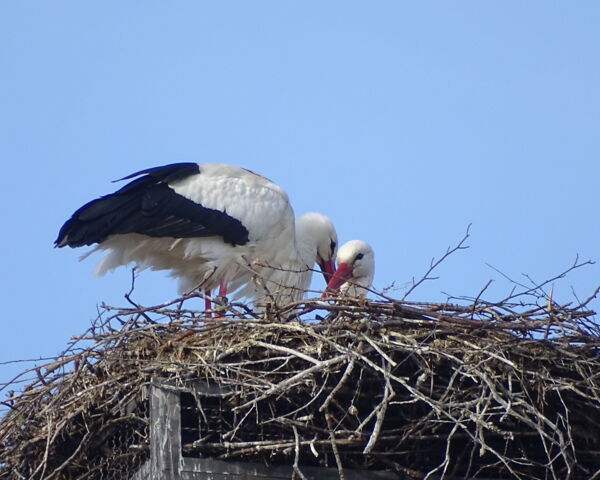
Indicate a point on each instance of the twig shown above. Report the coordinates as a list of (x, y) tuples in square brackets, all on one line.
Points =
[(435, 263), (297, 470), (334, 448)]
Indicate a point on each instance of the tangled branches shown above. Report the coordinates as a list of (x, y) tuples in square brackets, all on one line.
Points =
[(480, 390)]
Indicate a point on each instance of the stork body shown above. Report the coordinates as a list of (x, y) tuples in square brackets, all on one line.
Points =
[(355, 269), (208, 224)]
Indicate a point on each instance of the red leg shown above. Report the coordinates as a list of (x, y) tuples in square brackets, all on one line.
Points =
[(222, 293), (207, 302)]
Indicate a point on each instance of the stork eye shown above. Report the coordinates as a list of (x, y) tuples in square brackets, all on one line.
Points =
[(360, 256), (332, 246)]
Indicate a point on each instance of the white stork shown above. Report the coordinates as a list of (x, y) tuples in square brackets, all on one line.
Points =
[(211, 225), (355, 269)]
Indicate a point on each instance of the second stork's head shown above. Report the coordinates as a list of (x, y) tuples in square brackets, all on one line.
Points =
[(355, 269)]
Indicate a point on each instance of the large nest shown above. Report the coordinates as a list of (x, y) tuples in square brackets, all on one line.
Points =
[(480, 390)]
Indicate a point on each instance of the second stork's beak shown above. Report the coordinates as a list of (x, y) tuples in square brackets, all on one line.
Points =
[(341, 275)]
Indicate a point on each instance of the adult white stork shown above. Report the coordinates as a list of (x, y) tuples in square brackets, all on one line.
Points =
[(211, 225), (355, 270)]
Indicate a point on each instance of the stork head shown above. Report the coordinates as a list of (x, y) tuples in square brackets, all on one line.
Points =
[(355, 271), (317, 240)]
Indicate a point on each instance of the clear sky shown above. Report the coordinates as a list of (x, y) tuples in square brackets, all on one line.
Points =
[(403, 121)]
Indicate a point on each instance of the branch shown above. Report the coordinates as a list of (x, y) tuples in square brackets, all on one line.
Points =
[(435, 263)]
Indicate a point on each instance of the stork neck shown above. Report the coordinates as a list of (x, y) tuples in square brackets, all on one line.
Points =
[(306, 245)]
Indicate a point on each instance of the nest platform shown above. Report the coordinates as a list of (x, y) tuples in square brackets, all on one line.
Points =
[(414, 390)]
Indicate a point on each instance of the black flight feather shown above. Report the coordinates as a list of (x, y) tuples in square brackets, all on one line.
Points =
[(148, 206)]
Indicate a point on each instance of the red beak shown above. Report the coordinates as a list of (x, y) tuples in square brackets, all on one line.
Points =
[(328, 269), (341, 275)]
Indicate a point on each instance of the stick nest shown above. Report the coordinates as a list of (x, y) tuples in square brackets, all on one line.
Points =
[(454, 391)]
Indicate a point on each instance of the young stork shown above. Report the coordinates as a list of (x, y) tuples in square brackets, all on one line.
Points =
[(355, 270), (211, 225)]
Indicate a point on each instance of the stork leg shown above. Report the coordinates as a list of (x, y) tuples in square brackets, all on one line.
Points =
[(207, 303), (222, 293)]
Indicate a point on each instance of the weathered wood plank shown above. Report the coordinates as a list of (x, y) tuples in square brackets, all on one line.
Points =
[(165, 431)]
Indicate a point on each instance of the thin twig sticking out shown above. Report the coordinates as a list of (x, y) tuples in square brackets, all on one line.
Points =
[(435, 263)]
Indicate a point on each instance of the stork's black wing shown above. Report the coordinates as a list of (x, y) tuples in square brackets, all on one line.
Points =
[(147, 205)]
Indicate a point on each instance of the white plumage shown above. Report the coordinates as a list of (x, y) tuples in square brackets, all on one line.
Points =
[(287, 281), (211, 225), (355, 269)]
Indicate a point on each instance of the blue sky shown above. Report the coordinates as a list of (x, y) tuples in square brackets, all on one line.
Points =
[(403, 121)]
